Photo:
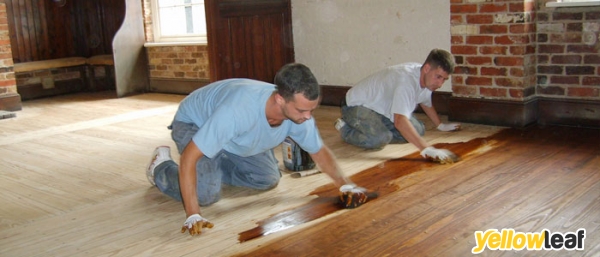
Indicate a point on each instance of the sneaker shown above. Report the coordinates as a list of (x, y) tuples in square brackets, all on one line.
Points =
[(161, 154), (339, 124)]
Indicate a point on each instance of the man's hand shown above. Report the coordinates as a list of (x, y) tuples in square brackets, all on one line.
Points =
[(448, 127), (195, 223), (442, 156), (352, 196)]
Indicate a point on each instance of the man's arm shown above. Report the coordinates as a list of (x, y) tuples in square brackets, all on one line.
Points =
[(433, 116), (326, 161), (403, 124), (431, 113), (187, 178)]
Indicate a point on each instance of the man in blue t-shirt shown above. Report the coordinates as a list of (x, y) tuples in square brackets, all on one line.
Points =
[(226, 132)]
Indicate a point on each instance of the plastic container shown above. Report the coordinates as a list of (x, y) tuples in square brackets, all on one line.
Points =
[(294, 158)]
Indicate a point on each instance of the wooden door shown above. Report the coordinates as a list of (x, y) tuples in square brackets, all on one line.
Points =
[(248, 38)]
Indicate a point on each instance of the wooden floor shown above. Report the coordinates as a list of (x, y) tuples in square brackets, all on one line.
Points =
[(73, 184)]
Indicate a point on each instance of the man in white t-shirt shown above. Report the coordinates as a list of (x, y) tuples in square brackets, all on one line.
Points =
[(226, 132), (378, 109)]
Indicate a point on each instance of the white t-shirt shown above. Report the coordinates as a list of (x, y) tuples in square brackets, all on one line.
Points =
[(395, 89), (231, 116)]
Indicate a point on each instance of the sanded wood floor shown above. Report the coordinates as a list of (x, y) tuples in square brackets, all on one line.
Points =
[(73, 183)]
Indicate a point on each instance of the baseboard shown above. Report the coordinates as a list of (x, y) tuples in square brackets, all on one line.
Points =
[(493, 112), (176, 86), (333, 96), (569, 112), (10, 102), (33, 91)]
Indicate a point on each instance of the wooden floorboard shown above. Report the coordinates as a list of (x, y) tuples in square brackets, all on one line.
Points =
[(73, 184)]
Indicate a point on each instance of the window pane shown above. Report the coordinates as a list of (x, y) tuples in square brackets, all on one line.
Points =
[(181, 19), (199, 19)]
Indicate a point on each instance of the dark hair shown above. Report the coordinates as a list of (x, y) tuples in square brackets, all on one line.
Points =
[(441, 58), (294, 78)]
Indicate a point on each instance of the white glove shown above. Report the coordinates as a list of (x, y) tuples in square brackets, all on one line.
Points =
[(442, 156), (352, 196), (352, 188), (194, 224), (448, 127)]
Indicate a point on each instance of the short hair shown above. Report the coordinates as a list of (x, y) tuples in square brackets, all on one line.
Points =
[(441, 58), (294, 78)]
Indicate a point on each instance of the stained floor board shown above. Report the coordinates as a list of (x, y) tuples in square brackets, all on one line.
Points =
[(72, 173)]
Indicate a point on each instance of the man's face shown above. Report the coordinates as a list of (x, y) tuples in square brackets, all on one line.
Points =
[(299, 109), (433, 78)]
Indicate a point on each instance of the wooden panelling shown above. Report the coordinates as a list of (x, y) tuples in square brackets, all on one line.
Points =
[(248, 39), (43, 30)]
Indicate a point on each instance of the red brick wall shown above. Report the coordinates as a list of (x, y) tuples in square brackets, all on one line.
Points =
[(494, 45), (516, 50), (568, 52), (178, 62), (8, 85), (174, 61)]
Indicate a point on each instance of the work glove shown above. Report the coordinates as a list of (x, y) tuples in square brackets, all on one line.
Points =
[(352, 196), (448, 127), (195, 223), (442, 156)]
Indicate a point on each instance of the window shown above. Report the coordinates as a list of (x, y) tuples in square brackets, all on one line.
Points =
[(573, 3), (179, 21)]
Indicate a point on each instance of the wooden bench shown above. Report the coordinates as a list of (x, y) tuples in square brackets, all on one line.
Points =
[(107, 61), (45, 73), (49, 64)]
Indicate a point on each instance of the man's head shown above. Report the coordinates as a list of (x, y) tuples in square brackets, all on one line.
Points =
[(438, 67), (294, 78), (298, 92)]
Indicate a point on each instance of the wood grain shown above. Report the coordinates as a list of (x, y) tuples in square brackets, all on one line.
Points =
[(73, 183)]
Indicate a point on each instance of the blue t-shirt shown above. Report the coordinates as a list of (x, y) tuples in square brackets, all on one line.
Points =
[(230, 115)]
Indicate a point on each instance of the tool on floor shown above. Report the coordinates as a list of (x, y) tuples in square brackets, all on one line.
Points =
[(294, 158)]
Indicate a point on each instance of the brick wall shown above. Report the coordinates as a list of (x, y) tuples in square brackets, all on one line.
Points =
[(178, 62), (517, 50), (8, 84), (568, 52), (187, 62), (494, 45), (148, 20)]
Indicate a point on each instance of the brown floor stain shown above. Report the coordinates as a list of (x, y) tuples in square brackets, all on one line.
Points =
[(376, 178)]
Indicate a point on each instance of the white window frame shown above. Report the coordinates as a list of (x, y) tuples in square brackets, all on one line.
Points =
[(160, 38), (573, 3)]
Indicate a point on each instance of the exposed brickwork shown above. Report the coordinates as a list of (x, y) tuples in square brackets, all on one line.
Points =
[(178, 62), (8, 84), (174, 62), (495, 40), (569, 52), (148, 30), (518, 49)]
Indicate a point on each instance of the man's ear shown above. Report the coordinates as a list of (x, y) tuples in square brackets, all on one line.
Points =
[(279, 99), (426, 67)]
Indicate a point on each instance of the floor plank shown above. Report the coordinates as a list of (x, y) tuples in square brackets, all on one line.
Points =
[(73, 181)]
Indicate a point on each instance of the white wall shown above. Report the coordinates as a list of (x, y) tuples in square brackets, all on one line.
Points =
[(343, 41)]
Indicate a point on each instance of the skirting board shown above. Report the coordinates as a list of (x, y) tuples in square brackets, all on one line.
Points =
[(10, 102), (579, 113), (540, 110), (176, 86), (333, 96), (493, 112)]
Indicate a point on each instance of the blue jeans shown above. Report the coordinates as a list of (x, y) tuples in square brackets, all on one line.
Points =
[(258, 172), (366, 128)]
